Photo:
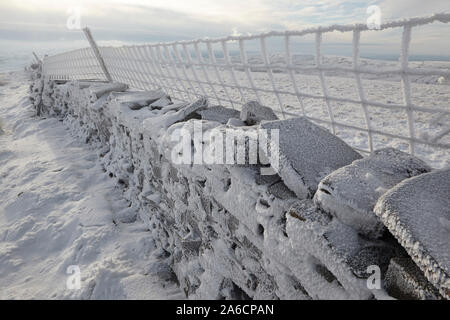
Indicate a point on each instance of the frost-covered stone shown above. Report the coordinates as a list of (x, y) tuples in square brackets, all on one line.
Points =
[(405, 281), (162, 270), (138, 100), (161, 103), (100, 89), (373, 254), (219, 114), (339, 254), (235, 122), (307, 153), (172, 114), (253, 113), (280, 191), (351, 192), (417, 213), (325, 246)]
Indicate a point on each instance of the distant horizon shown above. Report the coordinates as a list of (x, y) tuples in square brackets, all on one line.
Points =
[(16, 60)]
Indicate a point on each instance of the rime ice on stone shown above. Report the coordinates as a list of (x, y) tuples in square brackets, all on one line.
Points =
[(138, 100), (172, 114), (236, 122), (161, 103), (280, 191), (307, 153), (101, 89), (417, 213), (253, 113), (337, 256), (405, 281), (219, 114), (350, 193)]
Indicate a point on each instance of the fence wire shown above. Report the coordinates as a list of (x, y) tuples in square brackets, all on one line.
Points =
[(235, 69)]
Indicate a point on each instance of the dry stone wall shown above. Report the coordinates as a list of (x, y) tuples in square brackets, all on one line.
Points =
[(228, 231)]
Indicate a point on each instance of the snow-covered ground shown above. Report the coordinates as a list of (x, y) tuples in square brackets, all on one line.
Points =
[(57, 209)]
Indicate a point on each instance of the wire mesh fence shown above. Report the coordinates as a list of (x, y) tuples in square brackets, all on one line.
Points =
[(80, 64), (368, 105)]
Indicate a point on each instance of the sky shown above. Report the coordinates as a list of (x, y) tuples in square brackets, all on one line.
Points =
[(42, 25)]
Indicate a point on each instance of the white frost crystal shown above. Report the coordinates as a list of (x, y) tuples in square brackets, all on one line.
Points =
[(307, 153), (413, 211), (350, 193)]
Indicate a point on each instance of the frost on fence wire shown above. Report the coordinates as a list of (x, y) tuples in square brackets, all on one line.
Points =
[(80, 64), (236, 69)]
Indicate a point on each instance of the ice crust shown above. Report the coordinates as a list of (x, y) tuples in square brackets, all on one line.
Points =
[(351, 192), (307, 153), (417, 212), (253, 113), (219, 114)]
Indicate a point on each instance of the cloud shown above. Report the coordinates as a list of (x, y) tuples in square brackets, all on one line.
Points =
[(166, 20), (408, 8), (194, 18)]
